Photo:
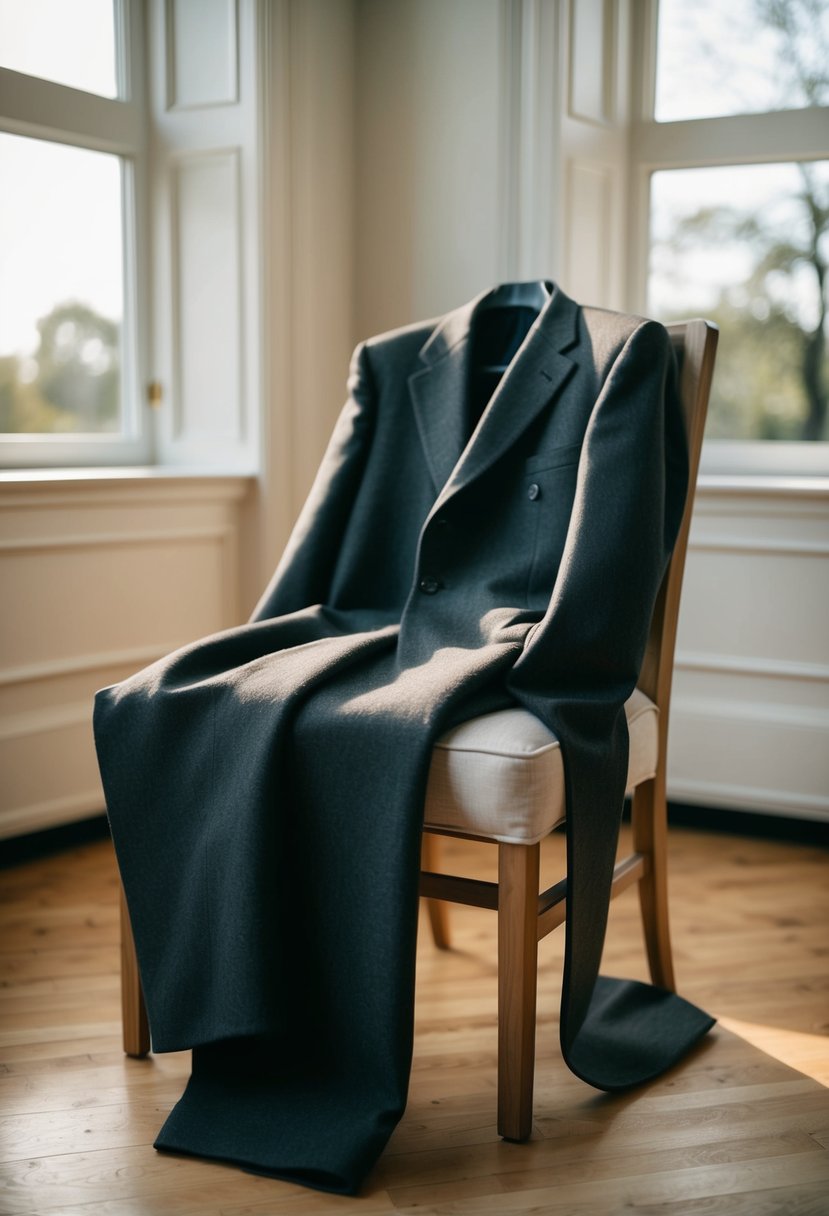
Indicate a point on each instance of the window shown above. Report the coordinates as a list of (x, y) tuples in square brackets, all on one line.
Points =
[(733, 172), (748, 246), (744, 57), (71, 161), (78, 50), (61, 288)]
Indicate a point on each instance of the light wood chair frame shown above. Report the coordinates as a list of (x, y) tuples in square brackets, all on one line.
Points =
[(525, 916)]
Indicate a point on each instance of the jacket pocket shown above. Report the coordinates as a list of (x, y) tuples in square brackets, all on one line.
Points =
[(555, 458), (550, 486)]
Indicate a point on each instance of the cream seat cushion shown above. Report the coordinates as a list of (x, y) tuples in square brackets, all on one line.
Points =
[(501, 776)]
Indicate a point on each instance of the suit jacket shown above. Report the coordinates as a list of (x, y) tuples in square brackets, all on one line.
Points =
[(265, 785)]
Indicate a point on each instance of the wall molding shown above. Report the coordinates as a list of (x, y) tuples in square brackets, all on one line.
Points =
[(750, 545), (120, 539), (133, 657), (776, 487), (741, 485), (46, 718), (69, 808), (146, 487), (776, 669), (739, 710), (746, 797)]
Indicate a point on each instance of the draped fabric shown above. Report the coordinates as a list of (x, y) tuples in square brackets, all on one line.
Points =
[(265, 785)]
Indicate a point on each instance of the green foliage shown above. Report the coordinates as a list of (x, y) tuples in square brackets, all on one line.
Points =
[(804, 67), (71, 383), (758, 390), (772, 380)]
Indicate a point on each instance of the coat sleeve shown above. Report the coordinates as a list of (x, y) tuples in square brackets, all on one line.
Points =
[(303, 576), (581, 662), (585, 654)]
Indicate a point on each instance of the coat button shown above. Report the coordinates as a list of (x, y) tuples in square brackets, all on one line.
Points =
[(534, 492), (429, 586)]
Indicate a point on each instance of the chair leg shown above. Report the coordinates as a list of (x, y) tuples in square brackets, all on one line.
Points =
[(136, 1030), (650, 837), (438, 912), (518, 874)]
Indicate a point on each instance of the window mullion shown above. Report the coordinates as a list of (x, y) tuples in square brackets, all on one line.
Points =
[(739, 139), (43, 109)]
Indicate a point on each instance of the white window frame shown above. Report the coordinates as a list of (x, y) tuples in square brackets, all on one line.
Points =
[(744, 139), (43, 109)]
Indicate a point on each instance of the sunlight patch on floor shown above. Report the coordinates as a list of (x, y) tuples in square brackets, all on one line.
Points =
[(808, 1053)]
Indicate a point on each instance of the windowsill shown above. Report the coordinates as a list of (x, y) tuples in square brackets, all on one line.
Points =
[(736, 458), (21, 488), (769, 484), (124, 473)]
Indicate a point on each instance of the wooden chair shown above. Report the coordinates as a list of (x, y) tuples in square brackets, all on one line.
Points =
[(458, 787)]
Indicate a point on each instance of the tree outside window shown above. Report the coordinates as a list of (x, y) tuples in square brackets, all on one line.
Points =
[(748, 245)]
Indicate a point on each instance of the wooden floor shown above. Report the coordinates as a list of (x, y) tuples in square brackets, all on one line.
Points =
[(741, 1127)]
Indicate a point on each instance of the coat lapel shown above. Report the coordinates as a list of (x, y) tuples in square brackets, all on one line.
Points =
[(534, 376), (438, 392)]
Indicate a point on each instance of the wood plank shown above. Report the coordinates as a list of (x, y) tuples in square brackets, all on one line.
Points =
[(634, 1192), (578, 1168), (733, 1129)]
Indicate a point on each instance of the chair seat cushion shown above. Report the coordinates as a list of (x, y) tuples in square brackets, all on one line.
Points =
[(501, 776)]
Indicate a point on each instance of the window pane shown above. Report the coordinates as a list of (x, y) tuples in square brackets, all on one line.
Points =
[(748, 247), (743, 57), (61, 288), (68, 41)]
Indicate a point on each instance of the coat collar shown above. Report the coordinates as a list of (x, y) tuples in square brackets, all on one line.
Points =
[(438, 389)]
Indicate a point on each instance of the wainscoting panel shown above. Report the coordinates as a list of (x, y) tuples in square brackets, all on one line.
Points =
[(591, 60), (750, 717), (203, 57), (207, 251), (146, 578), (98, 578)]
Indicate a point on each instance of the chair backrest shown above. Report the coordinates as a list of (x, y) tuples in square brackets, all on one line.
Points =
[(695, 346)]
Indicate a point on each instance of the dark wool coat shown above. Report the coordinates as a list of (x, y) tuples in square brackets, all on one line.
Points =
[(265, 785)]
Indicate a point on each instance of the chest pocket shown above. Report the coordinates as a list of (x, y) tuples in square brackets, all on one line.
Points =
[(549, 486)]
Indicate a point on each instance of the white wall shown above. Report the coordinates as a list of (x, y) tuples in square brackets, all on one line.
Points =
[(308, 205), (428, 184)]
